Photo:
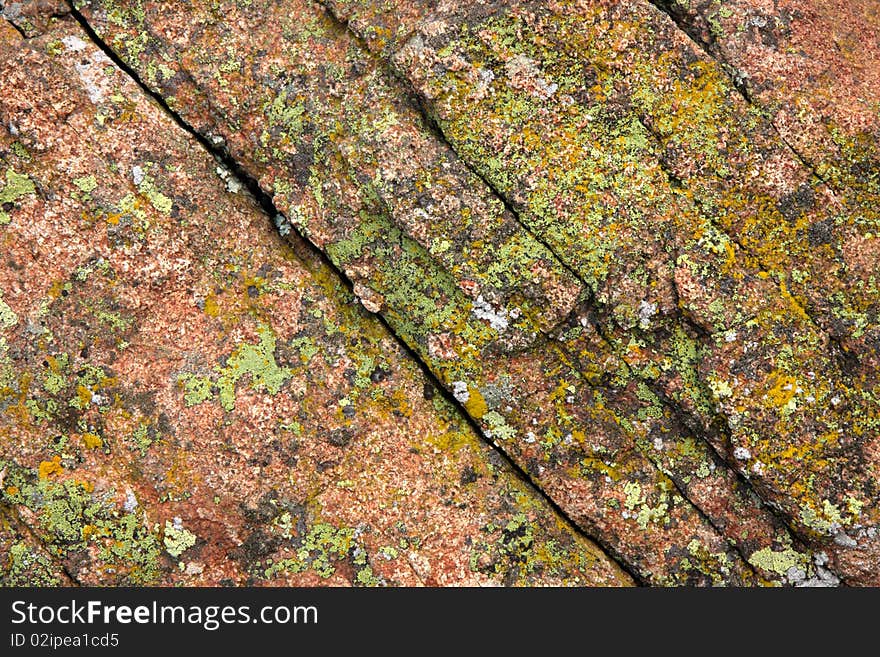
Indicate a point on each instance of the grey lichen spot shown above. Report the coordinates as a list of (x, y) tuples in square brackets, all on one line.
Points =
[(823, 576), (496, 394), (842, 539), (282, 224)]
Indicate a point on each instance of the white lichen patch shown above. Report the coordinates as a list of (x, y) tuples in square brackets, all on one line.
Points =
[(282, 224), (95, 81), (233, 186), (460, 392), (646, 312), (497, 319), (525, 74), (131, 502), (73, 44)]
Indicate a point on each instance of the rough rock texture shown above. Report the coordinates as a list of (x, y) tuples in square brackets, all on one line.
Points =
[(185, 399), (628, 123), (604, 235)]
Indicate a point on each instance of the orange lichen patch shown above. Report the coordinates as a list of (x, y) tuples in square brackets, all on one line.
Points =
[(51, 468), (783, 389), (55, 290), (88, 531), (83, 395)]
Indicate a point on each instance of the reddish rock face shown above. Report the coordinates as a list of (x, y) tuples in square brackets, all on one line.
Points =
[(187, 399), (633, 244), (360, 174)]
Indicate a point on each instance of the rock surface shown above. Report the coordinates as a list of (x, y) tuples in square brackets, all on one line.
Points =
[(634, 245), (188, 400)]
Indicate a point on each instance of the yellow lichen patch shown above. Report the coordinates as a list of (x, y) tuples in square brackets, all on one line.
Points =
[(55, 290), (476, 405), (593, 464), (12, 491), (451, 440), (782, 391), (92, 441), (181, 478), (400, 402), (795, 305), (83, 396), (212, 308), (50, 468), (87, 486)]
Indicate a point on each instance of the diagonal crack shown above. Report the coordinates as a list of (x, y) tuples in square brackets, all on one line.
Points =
[(682, 416), (736, 79), (665, 6), (15, 27), (302, 244)]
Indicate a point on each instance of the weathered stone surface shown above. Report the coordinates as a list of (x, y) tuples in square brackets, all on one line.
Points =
[(32, 17), (601, 236), (622, 145), (184, 399), (24, 560), (810, 68), (359, 162)]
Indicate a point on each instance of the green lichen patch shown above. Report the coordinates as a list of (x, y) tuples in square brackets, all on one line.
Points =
[(26, 565), (256, 362), (86, 184), (322, 548), (8, 318), (75, 522), (779, 562), (176, 538), (17, 186)]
